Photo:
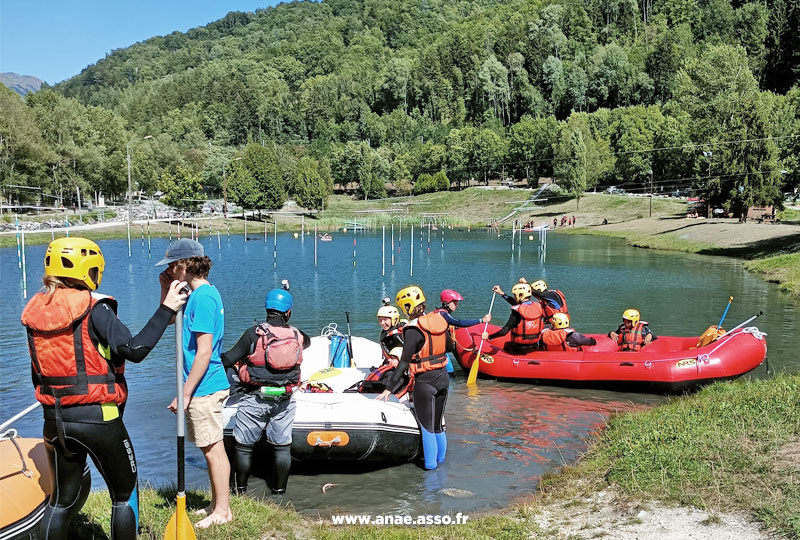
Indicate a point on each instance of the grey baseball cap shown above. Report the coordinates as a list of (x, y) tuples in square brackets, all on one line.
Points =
[(182, 249)]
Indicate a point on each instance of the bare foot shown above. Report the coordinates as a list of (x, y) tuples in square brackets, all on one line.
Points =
[(215, 518), (205, 511)]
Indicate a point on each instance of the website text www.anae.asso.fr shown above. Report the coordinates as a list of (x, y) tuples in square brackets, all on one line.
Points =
[(391, 519)]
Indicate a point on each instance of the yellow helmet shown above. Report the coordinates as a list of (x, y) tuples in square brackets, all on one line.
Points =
[(560, 320), (539, 286), (390, 312), (521, 291), (409, 298), (631, 315), (76, 258)]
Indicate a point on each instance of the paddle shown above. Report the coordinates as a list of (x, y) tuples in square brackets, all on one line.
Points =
[(349, 338), (179, 526), (725, 312), (473, 369)]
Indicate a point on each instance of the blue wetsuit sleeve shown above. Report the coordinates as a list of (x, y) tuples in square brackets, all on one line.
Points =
[(513, 320), (461, 323)]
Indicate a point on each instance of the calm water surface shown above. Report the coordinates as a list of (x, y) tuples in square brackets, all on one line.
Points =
[(500, 440)]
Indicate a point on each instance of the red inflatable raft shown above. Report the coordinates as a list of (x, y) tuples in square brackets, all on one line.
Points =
[(668, 364)]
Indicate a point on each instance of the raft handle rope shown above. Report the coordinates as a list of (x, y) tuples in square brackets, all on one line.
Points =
[(11, 435), (331, 330)]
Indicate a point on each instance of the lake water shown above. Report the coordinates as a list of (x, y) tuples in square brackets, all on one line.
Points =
[(500, 440)]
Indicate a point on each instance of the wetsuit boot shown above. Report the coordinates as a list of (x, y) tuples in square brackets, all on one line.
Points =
[(244, 463), (441, 446), (281, 463), (429, 448)]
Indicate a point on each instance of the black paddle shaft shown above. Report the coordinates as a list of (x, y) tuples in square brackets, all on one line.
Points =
[(349, 336)]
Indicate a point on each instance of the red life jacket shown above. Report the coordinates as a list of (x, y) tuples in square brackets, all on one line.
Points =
[(633, 339), (433, 354), (556, 340), (384, 371), (527, 332), (277, 349), (549, 310), (68, 368)]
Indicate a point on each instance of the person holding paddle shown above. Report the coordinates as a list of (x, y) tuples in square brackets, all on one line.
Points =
[(205, 384), (78, 350), (525, 322), (426, 340), (267, 360)]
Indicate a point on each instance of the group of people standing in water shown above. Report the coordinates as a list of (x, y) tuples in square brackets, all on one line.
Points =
[(79, 348)]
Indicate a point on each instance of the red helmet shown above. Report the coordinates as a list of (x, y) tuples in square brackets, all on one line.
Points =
[(449, 295)]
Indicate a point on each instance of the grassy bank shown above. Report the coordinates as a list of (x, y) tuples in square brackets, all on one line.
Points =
[(731, 447), (782, 269)]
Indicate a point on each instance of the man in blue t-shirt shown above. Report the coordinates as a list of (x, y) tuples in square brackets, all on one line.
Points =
[(205, 384)]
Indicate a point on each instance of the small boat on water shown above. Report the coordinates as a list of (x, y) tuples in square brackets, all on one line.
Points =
[(344, 425), (325, 238), (668, 364)]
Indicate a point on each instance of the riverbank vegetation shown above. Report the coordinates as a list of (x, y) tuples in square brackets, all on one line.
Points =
[(308, 97), (730, 448)]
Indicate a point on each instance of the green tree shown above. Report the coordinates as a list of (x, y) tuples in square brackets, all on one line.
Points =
[(424, 184), (441, 182), (311, 190), (570, 162), (531, 141), (269, 184), (182, 189)]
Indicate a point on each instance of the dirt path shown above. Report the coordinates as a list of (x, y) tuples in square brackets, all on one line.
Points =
[(723, 233), (605, 515)]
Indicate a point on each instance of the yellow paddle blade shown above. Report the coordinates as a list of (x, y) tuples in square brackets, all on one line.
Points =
[(472, 378), (179, 526), (326, 373)]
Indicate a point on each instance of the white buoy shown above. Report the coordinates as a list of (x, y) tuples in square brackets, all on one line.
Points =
[(530, 237), (411, 243), (24, 269), (295, 235)]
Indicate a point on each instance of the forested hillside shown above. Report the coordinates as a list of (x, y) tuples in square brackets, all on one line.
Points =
[(677, 93)]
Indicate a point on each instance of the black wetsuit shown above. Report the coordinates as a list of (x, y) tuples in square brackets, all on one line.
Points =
[(86, 432), (514, 320), (430, 389)]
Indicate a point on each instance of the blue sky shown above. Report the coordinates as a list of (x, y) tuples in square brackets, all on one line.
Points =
[(55, 39)]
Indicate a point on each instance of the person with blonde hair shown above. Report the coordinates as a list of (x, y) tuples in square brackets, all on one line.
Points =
[(78, 350)]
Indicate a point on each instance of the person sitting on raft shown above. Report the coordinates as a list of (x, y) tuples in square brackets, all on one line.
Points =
[(553, 301), (426, 342), (267, 358), (391, 329), (563, 338), (633, 333), (525, 323)]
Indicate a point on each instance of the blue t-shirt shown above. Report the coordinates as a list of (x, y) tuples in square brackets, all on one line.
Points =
[(204, 314)]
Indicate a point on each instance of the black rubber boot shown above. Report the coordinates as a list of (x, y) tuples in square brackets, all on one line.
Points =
[(244, 463), (281, 463)]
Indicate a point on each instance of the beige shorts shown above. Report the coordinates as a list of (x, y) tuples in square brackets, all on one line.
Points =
[(204, 419)]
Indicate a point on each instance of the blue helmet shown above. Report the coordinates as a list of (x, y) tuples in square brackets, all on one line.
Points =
[(279, 300)]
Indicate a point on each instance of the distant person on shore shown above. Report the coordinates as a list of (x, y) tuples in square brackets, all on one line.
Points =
[(78, 349), (605, 221), (563, 338), (267, 357), (633, 333), (555, 223), (573, 221), (525, 322), (205, 385)]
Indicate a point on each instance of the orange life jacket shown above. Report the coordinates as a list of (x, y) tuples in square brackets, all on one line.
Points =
[(633, 339), (549, 310), (556, 340), (68, 368), (433, 354), (527, 332), (385, 371)]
